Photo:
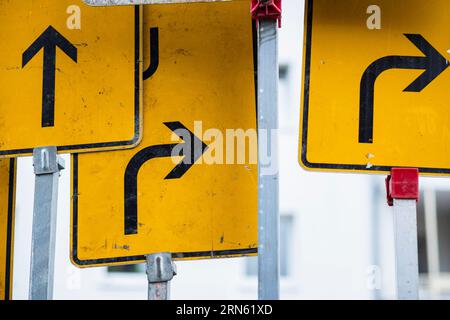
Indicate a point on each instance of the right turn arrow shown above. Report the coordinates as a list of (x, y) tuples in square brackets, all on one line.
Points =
[(433, 63), (196, 149)]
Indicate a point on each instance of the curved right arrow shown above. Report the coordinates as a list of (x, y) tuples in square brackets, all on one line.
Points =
[(195, 149), (433, 63)]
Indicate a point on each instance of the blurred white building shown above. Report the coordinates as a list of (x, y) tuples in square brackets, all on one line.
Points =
[(336, 237)]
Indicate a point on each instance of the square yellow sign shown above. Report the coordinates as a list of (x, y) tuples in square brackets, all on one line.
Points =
[(375, 86), (69, 76), (199, 85)]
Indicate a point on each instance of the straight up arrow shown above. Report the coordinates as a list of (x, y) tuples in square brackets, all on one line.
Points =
[(49, 40)]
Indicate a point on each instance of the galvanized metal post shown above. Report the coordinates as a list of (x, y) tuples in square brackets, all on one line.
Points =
[(406, 249), (160, 271), (268, 216), (403, 193), (47, 165)]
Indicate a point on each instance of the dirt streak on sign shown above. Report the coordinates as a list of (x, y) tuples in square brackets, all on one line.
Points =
[(7, 201), (70, 76), (199, 75), (375, 88)]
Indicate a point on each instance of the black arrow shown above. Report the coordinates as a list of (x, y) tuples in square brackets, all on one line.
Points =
[(154, 53), (433, 63), (196, 148), (49, 40)]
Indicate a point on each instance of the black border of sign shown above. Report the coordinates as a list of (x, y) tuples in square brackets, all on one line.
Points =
[(100, 145), (306, 85), (9, 229), (179, 255)]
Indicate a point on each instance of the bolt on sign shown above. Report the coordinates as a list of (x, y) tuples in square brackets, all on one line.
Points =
[(70, 76), (7, 201), (375, 86), (173, 193)]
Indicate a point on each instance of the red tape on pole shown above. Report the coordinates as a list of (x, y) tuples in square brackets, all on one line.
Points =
[(266, 10), (403, 183)]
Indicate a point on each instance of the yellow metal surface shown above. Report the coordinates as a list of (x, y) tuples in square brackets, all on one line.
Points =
[(204, 78), (7, 198), (82, 63), (343, 44)]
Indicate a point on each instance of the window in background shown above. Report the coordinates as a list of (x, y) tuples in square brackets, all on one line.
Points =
[(443, 222), (283, 72), (421, 234), (129, 268), (434, 243), (287, 111), (443, 231)]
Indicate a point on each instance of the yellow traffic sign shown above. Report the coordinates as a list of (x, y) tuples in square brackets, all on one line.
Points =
[(70, 76), (199, 83), (7, 201), (375, 87)]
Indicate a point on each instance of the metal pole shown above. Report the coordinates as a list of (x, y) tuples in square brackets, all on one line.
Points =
[(268, 217), (406, 249), (47, 166), (160, 270)]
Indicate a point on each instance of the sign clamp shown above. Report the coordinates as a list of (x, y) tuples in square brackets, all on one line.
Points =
[(402, 189), (160, 271)]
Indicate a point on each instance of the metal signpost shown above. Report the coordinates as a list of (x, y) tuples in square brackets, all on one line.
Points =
[(7, 204), (77, 81), (47, 166), (403, 193), (178, 191), (268, 16)]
